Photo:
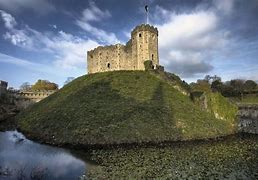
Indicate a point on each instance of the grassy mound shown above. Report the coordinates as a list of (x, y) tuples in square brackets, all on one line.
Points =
[(119, 107)]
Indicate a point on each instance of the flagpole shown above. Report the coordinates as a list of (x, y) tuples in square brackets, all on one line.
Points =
[(147, 18), (147, 14)]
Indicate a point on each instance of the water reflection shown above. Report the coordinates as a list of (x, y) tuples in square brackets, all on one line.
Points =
[(24, 158)]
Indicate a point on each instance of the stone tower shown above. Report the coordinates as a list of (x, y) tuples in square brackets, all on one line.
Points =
[(142, 46)]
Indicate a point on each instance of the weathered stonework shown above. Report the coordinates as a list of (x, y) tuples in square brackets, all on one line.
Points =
[(23, 99), (248, 118), (35, 96), (3, 87), (142, 46)]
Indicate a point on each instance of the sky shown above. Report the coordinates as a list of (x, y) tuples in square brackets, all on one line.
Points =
[(49, 39)]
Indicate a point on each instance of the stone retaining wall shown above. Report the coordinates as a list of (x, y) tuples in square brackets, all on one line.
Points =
[(248, 118)]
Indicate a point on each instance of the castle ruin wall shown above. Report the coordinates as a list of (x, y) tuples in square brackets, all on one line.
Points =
[(142, 46)]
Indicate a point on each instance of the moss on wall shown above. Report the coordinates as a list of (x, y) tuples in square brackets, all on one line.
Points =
[(148, 65), (221, 107)]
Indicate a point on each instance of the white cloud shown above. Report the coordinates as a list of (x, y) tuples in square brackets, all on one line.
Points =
[(71, 50), (17, 38), (9, 21), (53, 26), (39, 6), (180, 30), (99, 34), (127, 34), (68, 51), (160, 14), (188, 40), (94, 13), (25, 37)]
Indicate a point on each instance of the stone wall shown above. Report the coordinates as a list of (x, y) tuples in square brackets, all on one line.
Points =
[(35, 96), (109, 58), (3, 87), (248, 118), (145, 45), (24, 99), (142, 46)]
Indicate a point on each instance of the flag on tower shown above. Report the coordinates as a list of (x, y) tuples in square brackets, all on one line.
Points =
[(146, 8)]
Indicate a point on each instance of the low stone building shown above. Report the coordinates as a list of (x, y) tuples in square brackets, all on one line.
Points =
[(35, 96), (142, 46), (3, 87), (23, 99)]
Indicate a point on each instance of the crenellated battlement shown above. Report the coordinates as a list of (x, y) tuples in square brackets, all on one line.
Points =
[(145, 27), (108, 47)]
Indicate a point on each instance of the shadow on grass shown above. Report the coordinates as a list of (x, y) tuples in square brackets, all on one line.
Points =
[(97, 114), (112, 118)]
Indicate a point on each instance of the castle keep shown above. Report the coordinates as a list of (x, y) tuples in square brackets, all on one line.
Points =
[(142, 46)]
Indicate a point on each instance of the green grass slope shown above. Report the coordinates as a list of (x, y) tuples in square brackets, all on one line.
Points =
[(221, 107), (119, 107)]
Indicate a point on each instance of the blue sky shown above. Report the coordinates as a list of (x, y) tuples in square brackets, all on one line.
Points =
[(49, 39)]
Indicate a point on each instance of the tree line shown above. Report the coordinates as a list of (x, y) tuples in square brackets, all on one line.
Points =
[(40, 85), (43, 85), (232, 88)]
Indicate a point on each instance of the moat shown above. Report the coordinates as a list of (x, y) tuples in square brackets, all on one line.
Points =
[(21, 158), (231, 157)]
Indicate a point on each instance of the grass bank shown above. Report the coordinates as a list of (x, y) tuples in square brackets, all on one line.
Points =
[(120, 107)]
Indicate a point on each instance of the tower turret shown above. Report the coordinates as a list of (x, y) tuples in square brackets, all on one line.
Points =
[(144, 45)]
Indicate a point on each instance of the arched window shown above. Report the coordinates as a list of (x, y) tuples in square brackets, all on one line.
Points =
[(108, 65), (152, 57), (140, 35)]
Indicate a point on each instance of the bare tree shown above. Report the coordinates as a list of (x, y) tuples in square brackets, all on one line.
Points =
[(25, 86), (68, 80)]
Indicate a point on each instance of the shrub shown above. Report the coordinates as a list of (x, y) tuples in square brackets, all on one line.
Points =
[(148, 65)]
